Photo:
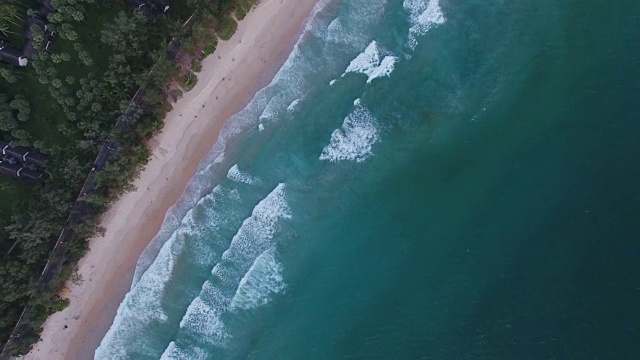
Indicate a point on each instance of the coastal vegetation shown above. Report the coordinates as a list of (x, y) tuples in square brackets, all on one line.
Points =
[(110, 77)]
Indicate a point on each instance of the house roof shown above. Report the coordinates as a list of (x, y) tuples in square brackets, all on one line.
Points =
[(27, 174), (162, 5), (22, 154), (17, 152), (12, 55), (36, 158), (9, 169), (150, 7)]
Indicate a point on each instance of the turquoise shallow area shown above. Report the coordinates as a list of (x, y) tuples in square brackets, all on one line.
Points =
[(479, 202)]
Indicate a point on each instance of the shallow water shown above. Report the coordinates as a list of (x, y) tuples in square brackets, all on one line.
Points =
[(422, 180)]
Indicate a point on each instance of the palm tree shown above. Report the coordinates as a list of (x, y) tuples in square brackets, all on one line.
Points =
[(8, 13)]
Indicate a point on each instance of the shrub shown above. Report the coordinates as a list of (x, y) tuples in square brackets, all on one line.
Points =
[(188, 81), (227, 28)]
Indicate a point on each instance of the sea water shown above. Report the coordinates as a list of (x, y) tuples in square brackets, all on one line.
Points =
[(423, 179)]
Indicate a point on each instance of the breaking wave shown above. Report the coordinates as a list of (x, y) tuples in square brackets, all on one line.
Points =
[(371, 63), (263, 279), (423, 15), (236, 175), (203, 319), (355, 139)]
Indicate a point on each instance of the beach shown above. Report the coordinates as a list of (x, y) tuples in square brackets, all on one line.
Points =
[(227, 81)]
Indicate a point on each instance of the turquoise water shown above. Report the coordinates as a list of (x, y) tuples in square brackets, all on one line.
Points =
[(452, 179)]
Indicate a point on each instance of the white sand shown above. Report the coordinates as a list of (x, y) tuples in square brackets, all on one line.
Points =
[(191, 129)]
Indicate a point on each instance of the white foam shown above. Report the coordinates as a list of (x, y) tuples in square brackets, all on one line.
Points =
[(423, 15), (336, 32), (293, 104), (385, 69), (290, 82), (236, 175), (355, 139), (203, 317), (141, 307), (253, 238), (352, 28), (371, 63), (173, 352), (256, 233), (263, 279)]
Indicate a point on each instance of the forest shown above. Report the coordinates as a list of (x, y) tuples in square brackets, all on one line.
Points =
[(102, 71)]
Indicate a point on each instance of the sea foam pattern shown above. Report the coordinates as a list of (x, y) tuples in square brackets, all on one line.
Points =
[(194, 242), (263, 279), (371, 63), (140, 308), (423, 15), (355, 139), (174, 353), (236, 175), (246, 258)]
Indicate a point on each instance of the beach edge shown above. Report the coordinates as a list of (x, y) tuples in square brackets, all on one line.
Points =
[(190, 130)]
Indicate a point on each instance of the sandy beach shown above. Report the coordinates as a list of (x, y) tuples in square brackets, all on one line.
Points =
[(246, 61)]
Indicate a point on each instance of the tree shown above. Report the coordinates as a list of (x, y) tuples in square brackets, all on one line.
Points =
[(8, 75), (8, 16), (7, 121)]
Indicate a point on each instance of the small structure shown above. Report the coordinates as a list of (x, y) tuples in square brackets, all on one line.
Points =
[(18, 171), (20, 162), (35, 158), (12, 55), (150, 7), (9, 169), (16, 152), (161, 5), (4, 146), (27, 174), (23, 155)]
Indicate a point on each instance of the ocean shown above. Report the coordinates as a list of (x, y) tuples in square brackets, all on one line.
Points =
[(422, 179)]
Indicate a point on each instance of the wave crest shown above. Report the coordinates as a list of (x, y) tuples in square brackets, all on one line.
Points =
[(355, 139), (423, 15), (371, 63)]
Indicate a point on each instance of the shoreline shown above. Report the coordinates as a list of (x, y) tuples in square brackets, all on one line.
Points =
[(248, 61)]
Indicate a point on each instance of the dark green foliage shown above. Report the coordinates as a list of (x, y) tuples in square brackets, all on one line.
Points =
[(196, 66), (65, 104), (188, 81), (227, 28)]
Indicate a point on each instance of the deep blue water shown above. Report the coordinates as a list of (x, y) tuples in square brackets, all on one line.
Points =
[(423, 179)]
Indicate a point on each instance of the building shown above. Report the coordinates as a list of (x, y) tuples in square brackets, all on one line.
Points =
[(9, 169), (3, 145), (150, 7), (161, 4), (22, 155), (19, 172), (11, 55), (36, 159), (27, 174), (16, 152)]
